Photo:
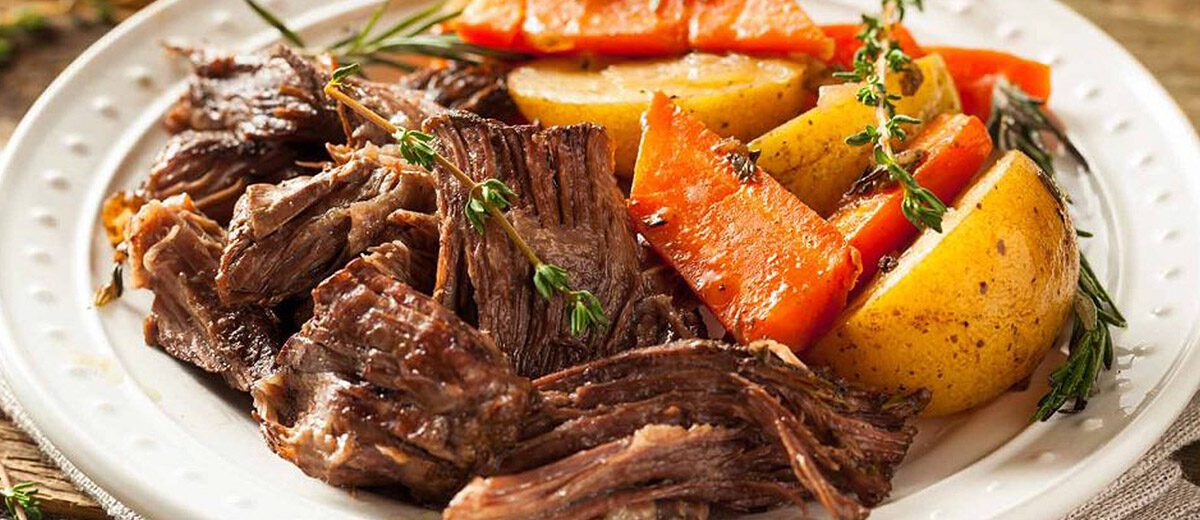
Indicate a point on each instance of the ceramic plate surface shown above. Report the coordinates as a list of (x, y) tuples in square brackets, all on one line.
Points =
[(172, 443)]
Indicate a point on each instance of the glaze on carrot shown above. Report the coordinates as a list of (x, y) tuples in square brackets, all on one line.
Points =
[(955, 147), (975, 72), (766, 265)]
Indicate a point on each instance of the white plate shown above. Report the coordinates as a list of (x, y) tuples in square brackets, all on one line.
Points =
[(171, 443)]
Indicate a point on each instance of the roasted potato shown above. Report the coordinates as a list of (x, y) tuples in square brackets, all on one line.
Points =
[(971, 312), (809, 154), (735, 95)]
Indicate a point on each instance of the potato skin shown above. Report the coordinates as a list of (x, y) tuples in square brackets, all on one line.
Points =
[(734, 95), (970, 313), (809, 154)]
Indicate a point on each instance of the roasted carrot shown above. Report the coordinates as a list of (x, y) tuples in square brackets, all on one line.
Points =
[(846, 43), (643, 27), (766, 265), (493, 23), (756, 26), (975, 71), (621, 27), (954, 147)]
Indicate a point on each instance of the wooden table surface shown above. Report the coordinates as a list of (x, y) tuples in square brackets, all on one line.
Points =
[(1163, 34)]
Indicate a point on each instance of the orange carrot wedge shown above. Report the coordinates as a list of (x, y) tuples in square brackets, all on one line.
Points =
[(846, 43), (766, 265), (493, 23), (621, 27), (753, 26), (954, 147), (975, 71)]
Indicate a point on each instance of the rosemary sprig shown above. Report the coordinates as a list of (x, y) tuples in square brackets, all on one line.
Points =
[(1020, 122), (277, 23), (389, 46), (1091, 347), (487, 201), (879, 55)]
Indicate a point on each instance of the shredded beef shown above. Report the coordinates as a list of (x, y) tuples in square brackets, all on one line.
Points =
[(214, 168), (569, 209), (286, 238), (174, 252), (839, 443), (480, 89), (273, 95), (384, 387)]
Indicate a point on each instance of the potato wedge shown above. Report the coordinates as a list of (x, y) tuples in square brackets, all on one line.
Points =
[(735, 95), (971, 312), (809, 154)]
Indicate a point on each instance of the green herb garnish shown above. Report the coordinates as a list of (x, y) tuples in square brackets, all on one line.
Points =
[(391, 45), (486, 203), (880, 55), (21, 501), (1020, 122)]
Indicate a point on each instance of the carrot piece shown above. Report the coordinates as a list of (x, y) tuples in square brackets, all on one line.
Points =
[(622, 27), (846, 43), (975, 71), (766, 265), (955, 147), (492, 23), (756, 26)]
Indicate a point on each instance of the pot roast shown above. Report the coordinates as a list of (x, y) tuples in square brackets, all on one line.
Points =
[(415, 357)]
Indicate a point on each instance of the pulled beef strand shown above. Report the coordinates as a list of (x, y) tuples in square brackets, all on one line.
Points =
[(286, 238), (174, 252), (384, 387), (568, 208)]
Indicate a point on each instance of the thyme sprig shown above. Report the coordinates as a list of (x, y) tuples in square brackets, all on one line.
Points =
[(880, 55), (487, 201), (20, 500), (1019, 122), (391, 45)]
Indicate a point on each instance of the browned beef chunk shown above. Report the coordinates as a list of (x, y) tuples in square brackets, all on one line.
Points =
[(273, 95), (842, 443), (569, 209), (214, 168), (481, 89), (285, 238), (174, 251), (384, 387)]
